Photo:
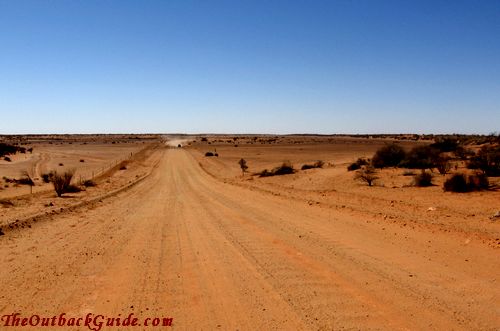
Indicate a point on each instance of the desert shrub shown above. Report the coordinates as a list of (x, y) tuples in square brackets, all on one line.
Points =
[(89, 183), (47, 177), (6, 149), (209, 154), (243, 165), (317, 164), (123, 167), (421, 157), (204, 139), (445, 144), (388, 156), (358, 164), (82, 160), (6, 158), (25, 180), (353, 166), (367, 174), (61, 164), (487, 159), (456, 183), (423, 179), (463, 153), (265, 173), (443, 165), (216, 154), (285, 169), (62, 182), (8, 180), (73, 189), (477, 182)]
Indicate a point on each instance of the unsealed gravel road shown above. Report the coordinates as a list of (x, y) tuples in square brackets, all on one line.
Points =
[(215, 256)]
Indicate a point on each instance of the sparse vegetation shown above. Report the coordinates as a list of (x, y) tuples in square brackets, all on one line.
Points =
[(460, 183), (445, 144), (456, 183), (421, 157), (26, 179), (62, 182), (243, 165), (6, 149), (317, 164), (487, 159), (89, 183), (285, 169), (367, 174), (443, 164), (358, 164), (478, 181), (423, 179), (388, 156), (47, 177)]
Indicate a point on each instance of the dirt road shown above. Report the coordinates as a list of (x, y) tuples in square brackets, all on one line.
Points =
[(215, 256)]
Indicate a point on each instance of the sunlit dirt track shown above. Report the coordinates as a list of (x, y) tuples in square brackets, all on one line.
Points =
[(215, 256)]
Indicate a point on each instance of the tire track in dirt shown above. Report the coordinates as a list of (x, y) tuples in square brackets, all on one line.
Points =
[(215, 256)]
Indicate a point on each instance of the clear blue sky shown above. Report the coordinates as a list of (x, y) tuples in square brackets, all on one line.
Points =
[(250, 66)]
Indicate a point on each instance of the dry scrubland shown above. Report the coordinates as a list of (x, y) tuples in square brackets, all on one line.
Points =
[(393, 195), (169, 230)]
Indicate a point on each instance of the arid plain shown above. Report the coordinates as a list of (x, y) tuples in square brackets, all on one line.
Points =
[(166, 230)]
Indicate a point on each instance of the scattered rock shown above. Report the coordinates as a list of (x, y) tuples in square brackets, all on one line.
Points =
[(431, 209)]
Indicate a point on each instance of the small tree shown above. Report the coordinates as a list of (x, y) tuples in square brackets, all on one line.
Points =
[(443, 165), (243, 166), (388, 156), (367, 175), (421, 157), (487, 160)]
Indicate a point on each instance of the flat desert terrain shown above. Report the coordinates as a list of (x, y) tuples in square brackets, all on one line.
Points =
[(168, 231)]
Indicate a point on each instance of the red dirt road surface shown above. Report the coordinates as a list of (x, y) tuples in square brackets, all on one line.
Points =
[(218, 256)]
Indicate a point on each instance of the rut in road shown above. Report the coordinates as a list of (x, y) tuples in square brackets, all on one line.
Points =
[(217, 256)]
